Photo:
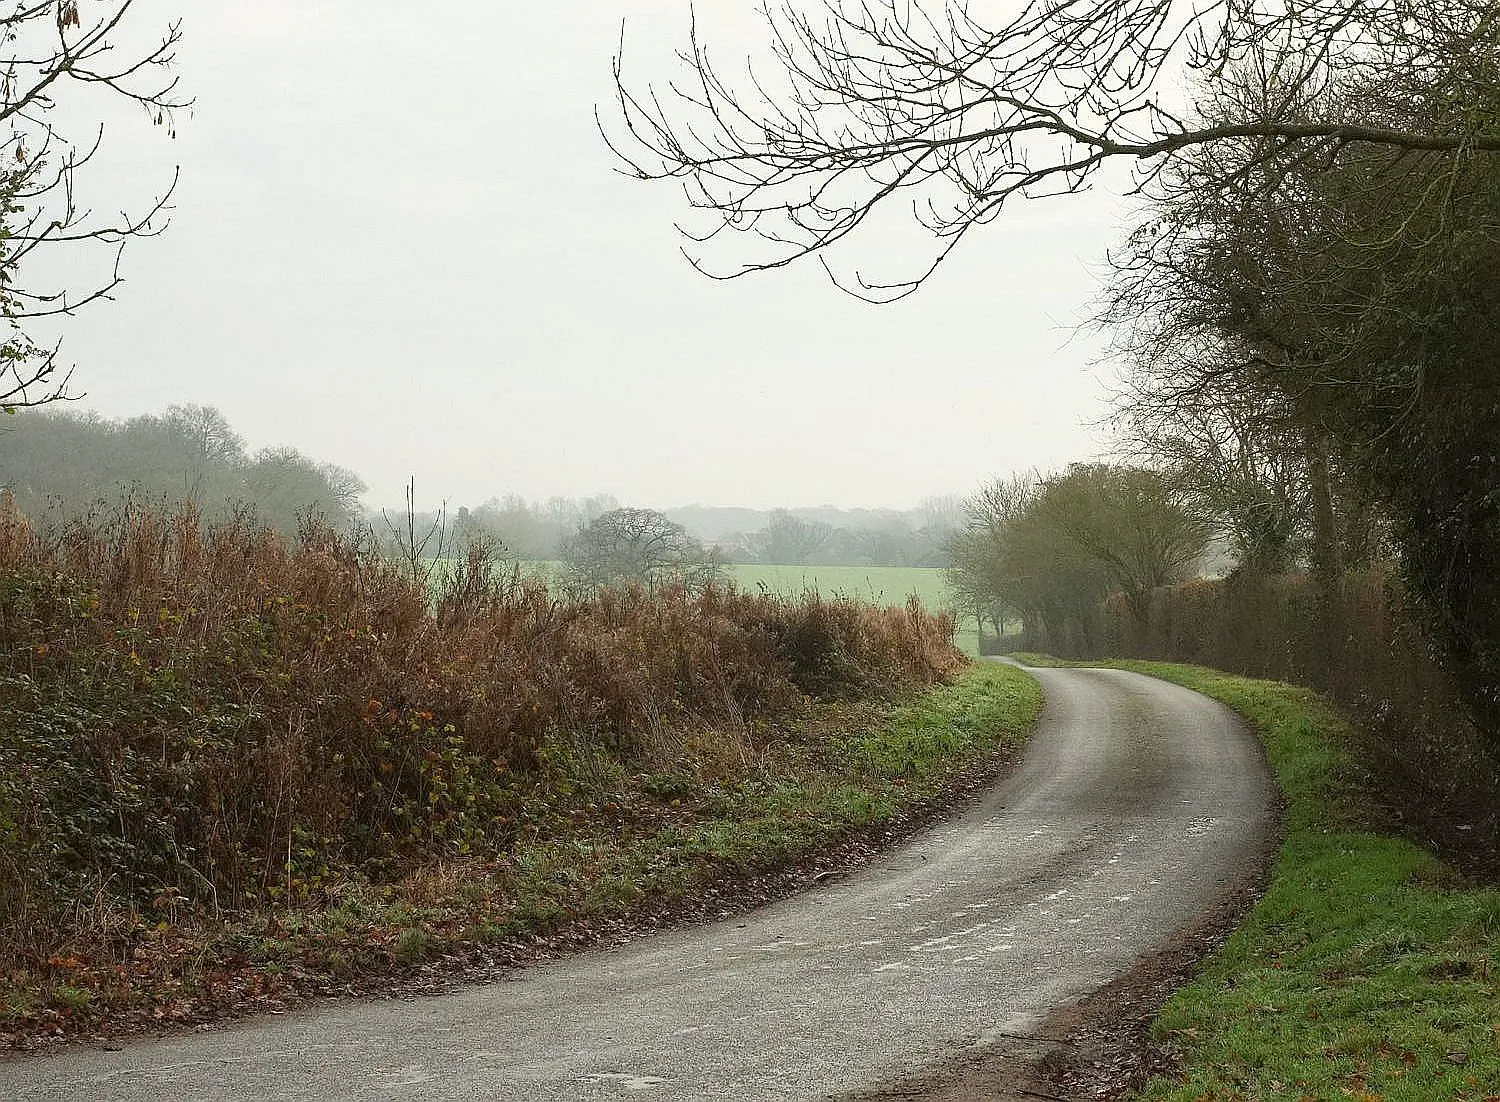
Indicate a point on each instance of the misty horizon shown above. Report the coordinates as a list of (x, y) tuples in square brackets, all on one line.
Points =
[(458, 285)]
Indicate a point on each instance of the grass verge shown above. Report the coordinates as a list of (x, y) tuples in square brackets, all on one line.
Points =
[(1367, 971), (599, 848), (1047, 661)]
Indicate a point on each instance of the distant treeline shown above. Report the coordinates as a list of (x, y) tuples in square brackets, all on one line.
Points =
[(820, 535), (60, 464)]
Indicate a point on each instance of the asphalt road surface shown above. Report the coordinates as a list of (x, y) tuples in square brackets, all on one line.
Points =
[(1136, 805)]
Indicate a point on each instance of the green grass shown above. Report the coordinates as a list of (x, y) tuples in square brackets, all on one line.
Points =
[(1047, 661), (923, 740), (850, 782), (886, 585), (1364, 972)]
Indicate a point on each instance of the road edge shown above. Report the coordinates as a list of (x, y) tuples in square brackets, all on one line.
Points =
[(1100, 1046)]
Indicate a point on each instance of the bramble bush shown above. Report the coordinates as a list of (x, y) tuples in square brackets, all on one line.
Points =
[(211, 717)]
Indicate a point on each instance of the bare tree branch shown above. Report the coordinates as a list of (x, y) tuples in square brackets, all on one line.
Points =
[(878, 100), (52, 54)]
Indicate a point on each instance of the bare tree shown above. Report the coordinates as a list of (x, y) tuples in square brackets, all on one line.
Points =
[(1050, 550), (1139, 527), (866, 104), (211, 445), (61, 62), (420, 542), (1036, 566), (982, 577), (1232, 444), (636, 545), (788, 539)]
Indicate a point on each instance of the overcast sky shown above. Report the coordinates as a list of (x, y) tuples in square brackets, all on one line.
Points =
[(399, 245)]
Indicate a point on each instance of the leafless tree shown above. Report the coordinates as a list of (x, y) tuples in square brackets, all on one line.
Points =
[(789, 539), (1232, 443), (636, 545), (420, 544), (865, 105), (61, 62), (1136, 524), (981, 577)]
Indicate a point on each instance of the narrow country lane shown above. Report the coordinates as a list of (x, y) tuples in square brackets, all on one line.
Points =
[(1138, 803)]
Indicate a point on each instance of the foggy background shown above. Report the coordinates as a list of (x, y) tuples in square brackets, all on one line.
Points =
[(399, 245)]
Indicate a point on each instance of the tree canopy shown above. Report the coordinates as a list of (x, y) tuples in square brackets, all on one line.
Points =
[(1048, 551), (60, 465)]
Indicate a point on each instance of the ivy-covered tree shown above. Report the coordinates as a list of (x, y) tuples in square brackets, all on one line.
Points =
[(1361, 292)]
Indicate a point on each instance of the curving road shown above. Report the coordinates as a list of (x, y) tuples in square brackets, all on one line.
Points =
[(1137, 804)]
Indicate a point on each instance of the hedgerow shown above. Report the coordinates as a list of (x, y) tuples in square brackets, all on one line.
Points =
[(210, 719)]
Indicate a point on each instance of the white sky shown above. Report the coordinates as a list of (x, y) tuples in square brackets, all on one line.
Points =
[(399, 245)]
